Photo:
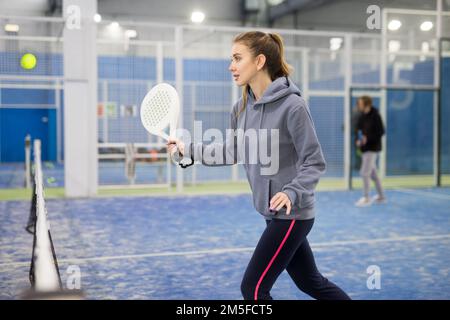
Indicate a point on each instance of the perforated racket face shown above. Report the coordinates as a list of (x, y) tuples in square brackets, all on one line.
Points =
[(160, 108)]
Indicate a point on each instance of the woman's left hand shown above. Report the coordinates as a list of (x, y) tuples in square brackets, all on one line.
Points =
[(280, 200), (363, 140)]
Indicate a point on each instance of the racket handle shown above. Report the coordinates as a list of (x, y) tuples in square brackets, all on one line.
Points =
[(176, 156)]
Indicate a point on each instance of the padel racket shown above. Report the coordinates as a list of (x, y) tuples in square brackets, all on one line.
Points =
[(160, 109)]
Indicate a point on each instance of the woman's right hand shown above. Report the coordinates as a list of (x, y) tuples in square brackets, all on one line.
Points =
[(175, 144)]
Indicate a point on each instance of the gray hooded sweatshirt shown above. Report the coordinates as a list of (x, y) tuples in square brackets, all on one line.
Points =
[(301, 161)]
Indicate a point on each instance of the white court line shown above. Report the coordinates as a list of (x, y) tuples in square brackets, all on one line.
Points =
[(425, 194), (232, 250)]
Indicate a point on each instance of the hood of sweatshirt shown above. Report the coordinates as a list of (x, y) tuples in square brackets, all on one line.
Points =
[(278, 89)]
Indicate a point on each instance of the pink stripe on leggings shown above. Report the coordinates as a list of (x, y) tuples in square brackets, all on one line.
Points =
[(273, 258)]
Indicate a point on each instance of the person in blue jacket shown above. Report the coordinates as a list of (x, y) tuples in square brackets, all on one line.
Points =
[(284, 196)]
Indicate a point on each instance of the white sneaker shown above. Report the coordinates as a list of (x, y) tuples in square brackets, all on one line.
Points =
[(379, 200), (363, 202)]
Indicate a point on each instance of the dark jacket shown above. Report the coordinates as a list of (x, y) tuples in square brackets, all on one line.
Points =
[(372, 127)]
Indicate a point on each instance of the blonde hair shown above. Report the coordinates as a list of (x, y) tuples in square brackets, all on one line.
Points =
[(272, 47)]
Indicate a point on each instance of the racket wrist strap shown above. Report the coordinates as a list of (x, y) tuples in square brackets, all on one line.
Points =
[(185, 165)]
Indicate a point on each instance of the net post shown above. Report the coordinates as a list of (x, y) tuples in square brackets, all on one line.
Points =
[(28, 161), (130, 163), (347, 111), (348, 156)]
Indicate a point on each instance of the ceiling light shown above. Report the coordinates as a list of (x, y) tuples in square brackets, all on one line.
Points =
[(97, 18), (197, 17), (394, 25), (131, 33), (426, 26), (11, 27), (335, 43)]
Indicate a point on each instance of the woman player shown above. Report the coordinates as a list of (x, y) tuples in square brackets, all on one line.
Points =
[(285, 198)]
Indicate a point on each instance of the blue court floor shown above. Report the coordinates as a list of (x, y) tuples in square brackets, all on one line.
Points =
[(12, 175), (197, 247)]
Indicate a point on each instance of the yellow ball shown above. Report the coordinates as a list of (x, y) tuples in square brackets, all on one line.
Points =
[(28, 61)]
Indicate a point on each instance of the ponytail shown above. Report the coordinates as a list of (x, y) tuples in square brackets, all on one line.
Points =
[(284, 67), (272, 47)]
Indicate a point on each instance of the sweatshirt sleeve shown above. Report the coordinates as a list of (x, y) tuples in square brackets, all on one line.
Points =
[(377, 130), (217, 153), (310, 163)]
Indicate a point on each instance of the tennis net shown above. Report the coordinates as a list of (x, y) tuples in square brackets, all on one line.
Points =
[(44, 272)]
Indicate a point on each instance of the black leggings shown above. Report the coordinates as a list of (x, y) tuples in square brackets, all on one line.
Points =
[(283, 245)]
